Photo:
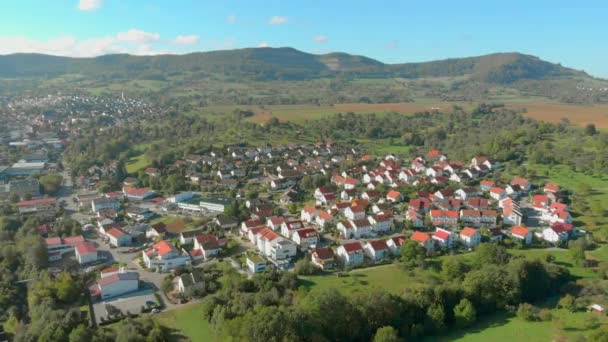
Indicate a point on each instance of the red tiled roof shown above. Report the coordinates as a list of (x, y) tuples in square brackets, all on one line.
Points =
[(519, 231), (53, 241), (398, 240), (85, 248), (324, 253), (551, 188), (378, 245), (419, 237), (488, 183), (540, 198), (519, 181), (267, 234), (325, 215), (115, 232), (196, 252), (393, 194), (468, 231), (497, 190), (352, 247), (135, 191), (72, 240), (37, 202), (307, 232), (441, 234), (162, 248)]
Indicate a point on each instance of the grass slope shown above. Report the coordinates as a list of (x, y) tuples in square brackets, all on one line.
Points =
[(139, 161), (187, 324)]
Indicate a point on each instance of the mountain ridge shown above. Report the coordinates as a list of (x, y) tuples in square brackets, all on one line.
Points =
[(285, 63)]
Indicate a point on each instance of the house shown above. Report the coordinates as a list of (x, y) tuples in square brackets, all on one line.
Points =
[(208, 245), (477, 203), (465, 193), (248, 225), (188, 237), (309, 213), (306, 238), (416, 218), (423, 239), (275, 222), (443, 193), (324, 195), (139, 214), (486, 185), (156, 230), (393, 196), (511, 212), (514, 190), (104, 203), (420, 204), (43, 208), (557, 233), (354, 212), (288, 227), (361, 228), (255, 263), (395, 243), (85, 252), (115, 285), (376, 250), (215, 204), (138, 194), (522, 233), (189, 283), (444, 217), (226, 222), (371, 195), (118, 237), (323, 258), (443, 238), (542, 200), (350, 254), (381, 224), (523, 183), (57, 247), (324, 218), (497, 193), (164, 256), (152, 172), (470, 237)]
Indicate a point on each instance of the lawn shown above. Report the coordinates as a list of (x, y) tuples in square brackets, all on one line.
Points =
[(139, 161), (562, 257), (175, 224), (390, 277), (187, 324), (505, 327)]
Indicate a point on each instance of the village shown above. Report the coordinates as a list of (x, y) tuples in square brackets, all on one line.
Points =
[(327, 203)]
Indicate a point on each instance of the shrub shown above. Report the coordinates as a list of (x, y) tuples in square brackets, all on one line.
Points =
[(527, 312), (305, 267)]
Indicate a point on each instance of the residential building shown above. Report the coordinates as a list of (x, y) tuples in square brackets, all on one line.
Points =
[(165, 256), (323, 258), (443, 238), (255, 263), (118, 237), (306, 238), (215, 204), (423, 239), (115, 285), (395, 244), (85, 252), (470, 237), (189, 283), (350, 254), (522, 233), (376, 250)]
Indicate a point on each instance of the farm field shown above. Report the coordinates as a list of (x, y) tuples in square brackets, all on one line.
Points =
[(540, 110)]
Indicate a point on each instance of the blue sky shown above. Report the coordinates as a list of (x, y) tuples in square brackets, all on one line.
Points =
[(570, 32)]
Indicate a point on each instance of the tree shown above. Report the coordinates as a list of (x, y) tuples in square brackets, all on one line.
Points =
[(67, 288), (80, 334), (51, 183), (491, 253), (305, 267), (436, 317), (568, 302), (577, 251), (465, 313), (386, 334), (590, 129), (412, 252), (453, 268), (527, 312)]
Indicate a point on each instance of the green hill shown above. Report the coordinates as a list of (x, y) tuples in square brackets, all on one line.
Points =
[(282, 64)]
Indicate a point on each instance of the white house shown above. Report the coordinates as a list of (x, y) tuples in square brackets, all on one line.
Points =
[(323, 258), (381, 224), (85, 252), (350, 253), (377, 250), (470, 237), (354, 213), (190, 281), (556, 234), (306, 238), (443, 238), (423, 239), (324, 218), (395, 243), (288, 227), (118, 237), (361, 228), (255, 263), (164, 255), (309, 213), (522, 233), (115, 285)]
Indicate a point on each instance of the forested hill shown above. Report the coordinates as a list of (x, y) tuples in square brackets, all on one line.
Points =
[(265, 64)]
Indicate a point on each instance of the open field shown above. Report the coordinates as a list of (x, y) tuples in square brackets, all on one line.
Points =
[(544, 110), (139, 161), (187, 324), (175, 225), (390, 277), (504, 327)]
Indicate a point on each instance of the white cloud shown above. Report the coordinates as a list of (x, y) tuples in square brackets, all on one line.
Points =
[(263, 45), (89, 5), (231, 19), (186, 39), (62, 46), (137, 36), (320, 38), (278, 20)]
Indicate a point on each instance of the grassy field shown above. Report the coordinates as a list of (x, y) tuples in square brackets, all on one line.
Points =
[(505, 327), (562, 257), (187, 324), (175, 225), (139, 161), (391, 278), (544, 110)]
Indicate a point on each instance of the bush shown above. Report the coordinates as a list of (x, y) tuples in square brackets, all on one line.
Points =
[(527, 312), (545, 315), (305, 267)]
